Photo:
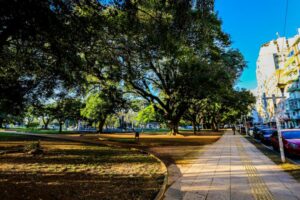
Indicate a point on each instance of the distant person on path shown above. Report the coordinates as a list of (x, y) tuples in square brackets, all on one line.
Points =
[(233, 129)]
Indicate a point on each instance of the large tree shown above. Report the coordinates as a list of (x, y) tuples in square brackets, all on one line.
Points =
[(195, 113), (146, 115), (168, 52), (40, 44), (65, 108), (171, 52), (226, 107), (100, 104)]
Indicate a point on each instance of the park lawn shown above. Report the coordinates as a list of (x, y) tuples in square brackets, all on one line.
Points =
[(163, 139), (39, 131), (177, 152), (290, 167), (13, 137), (182, 131), (155, 131), (70, 170)]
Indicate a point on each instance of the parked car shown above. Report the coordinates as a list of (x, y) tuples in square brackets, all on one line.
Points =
[(257, 129), (265, 135), (243, 129), (290, 139)]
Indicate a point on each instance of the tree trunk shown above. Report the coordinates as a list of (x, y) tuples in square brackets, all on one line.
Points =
[(198, 126), (101, 125), (46, 122), (60, 127), (46, 125), (173, 125), (215, 126), (1, 122), (194, 127)]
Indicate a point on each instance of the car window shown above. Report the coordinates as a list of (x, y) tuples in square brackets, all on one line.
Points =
[(291, 134)]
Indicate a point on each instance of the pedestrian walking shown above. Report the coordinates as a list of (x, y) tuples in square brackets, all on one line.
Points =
[(233, 129)]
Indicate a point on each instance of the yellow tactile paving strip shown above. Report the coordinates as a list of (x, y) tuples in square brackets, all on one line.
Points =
[(259, 189)]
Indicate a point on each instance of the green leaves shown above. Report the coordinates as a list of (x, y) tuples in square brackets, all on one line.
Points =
[(170, 53), (100, 104), (147, 115)]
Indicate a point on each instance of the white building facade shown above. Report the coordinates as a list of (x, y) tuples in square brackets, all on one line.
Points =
[(271, 71)]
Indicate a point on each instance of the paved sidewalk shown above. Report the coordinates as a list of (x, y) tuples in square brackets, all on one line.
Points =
[(232, 168)]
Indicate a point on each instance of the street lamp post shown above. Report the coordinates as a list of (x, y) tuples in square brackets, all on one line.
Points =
[(277, 122)]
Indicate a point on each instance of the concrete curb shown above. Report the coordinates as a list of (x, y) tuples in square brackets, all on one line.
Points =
[(162, 190)]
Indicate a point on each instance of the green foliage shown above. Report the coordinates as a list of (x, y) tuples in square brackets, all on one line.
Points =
[(32, 125), (146, 115), (173, 54), (96, 108), (223, 107), (175, 51), (65, 108), (99, 106), (40, 41)]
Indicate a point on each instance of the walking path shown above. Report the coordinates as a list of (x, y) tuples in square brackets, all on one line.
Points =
[(232, 168)]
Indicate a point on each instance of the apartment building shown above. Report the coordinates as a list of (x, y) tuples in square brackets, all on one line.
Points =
[(277, 66)]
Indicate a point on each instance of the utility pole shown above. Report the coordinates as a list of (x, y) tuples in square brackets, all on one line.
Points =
[(278, 125)]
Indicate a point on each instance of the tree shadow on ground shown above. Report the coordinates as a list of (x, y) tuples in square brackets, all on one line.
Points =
[(48, 186)]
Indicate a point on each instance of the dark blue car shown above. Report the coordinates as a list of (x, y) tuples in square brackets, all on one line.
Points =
[(257, 129), (265, 135)]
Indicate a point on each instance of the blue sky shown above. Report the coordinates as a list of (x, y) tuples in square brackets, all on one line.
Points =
[(252, 23)]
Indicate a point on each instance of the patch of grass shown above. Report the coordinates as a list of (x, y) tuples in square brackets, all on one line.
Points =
[(12, 137), (290, 167), (177, 152), (70, 170), (161, 140), (156, 131), (123, 140), (39, 131)]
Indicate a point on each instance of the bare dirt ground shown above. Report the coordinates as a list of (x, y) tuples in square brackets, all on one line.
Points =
[(71, 170)]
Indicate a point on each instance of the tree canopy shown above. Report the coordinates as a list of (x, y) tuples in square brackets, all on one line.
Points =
[(173, 54)]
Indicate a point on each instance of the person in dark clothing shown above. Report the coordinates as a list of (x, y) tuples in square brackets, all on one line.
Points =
[(233, 129)]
